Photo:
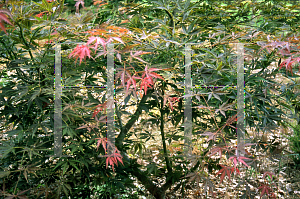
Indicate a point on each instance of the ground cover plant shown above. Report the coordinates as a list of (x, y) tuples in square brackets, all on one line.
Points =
[(149, 159)]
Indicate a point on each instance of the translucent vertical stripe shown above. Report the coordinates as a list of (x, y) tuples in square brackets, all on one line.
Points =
[(57, 103), (240, 99), (110, 99), (188, 102)]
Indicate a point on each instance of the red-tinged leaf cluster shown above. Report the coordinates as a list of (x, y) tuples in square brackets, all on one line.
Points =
[(211, 135), (266, 190), (89, 127), (20, 195), (125, 76), (81, 52), (111, 159), (239, 159), (146, 81), (98, 41), (289, 62), (3, 18), (103, 142), (108, 31), (147, 78), (226, 171), (215, 150), (171, 100), (277, 44), (284, 51), (41, 14), (100, 107)]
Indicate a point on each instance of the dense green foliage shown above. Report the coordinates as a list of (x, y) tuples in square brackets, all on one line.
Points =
[(161, 28)]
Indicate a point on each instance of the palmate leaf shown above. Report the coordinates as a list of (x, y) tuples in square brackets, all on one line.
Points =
[(215, 150), (289, 62), (81, 52), (240, 159), (30, 169), (102, 141), (137, 54), (224, 171), (227, 171), (125, 76), (265, 189), (113, 159), (98, 40), (147, 78), (19, 195), (194, 176), (224, 107), (89, 127), (216, 94), (100, 107), (171, 100)]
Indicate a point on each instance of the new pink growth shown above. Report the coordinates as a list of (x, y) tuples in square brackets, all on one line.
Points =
[(98, 41), (110, 159), (81, 51)]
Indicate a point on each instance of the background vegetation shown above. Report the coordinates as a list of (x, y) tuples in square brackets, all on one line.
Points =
[(149, 122)]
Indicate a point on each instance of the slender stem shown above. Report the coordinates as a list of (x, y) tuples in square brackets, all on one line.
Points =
[(125, 129), (169, 168), (26, 44), (19, 174)]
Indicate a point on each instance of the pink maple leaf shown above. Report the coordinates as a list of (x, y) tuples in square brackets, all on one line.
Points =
[(137, 54), (78, 3), (102, 141), (215, 150), (113, 159), (115, 38), (239, 159), (125, 76), (146, 82), (98, 41), (100, 107), (289, 62), (147, 78), (171, 100), (81, 51), (148, 72)]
